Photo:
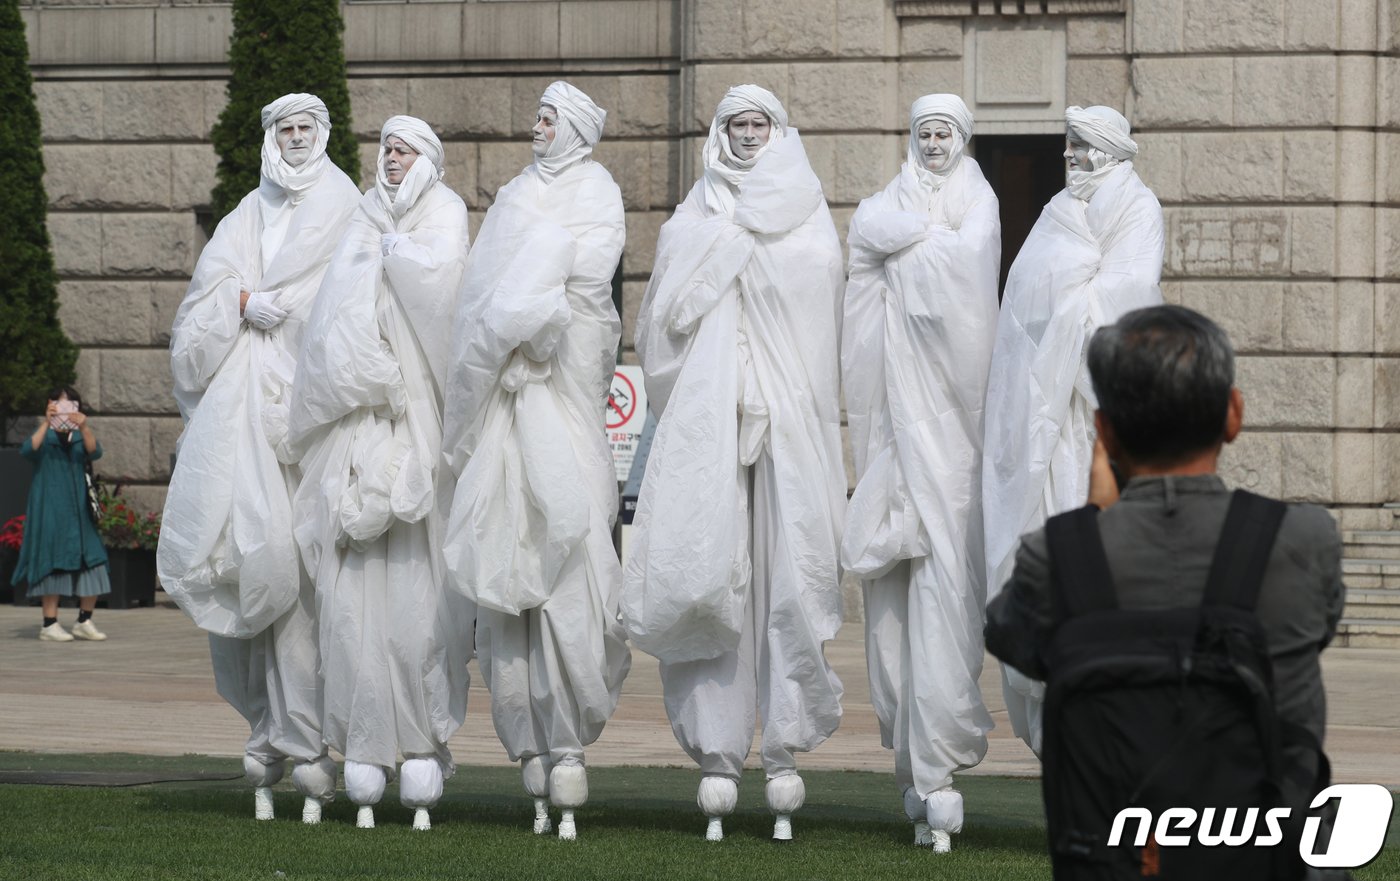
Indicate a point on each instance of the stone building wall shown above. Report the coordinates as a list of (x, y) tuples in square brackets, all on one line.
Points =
[(1270, 129)]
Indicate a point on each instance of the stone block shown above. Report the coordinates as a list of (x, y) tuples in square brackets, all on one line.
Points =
[(106, 312), (787, 29), (137, 381), (107, 176), (402, 31), (155, 110), (1096, 34), (713, 80), (1309, 166), (1292, 391), (666, 190), (215, 99), (1158, 163), (1185, 92), (1307, 465), (126, 448), (1387, 467), (1355, 469), (166, 297), (1387, 170), (864, 164), (94, 36), (1159, 31), (165, 434), (919, 78), (77, 243), (1356, 316), (1309, 25), (646, 104), (1238, 167), (69, 111), (1356, 90), (1228, 241), (148, 244), (930, 38), (1309, 317), (1388, 239), (1254, 461), (1387, 392), (629, 162), (459, 170), (865, 28), (369, 155), (498, 163), (463, 107), (146, 497), (88, 378), (1357, 178), (1312, 241), (639, 253), (1250, 312), (375, 99), (1387, 324), (1292, 90), (1255, 25), (1388, 97), (193, 174), (1356, 241), (852, 600), (1097, 81), (1360, 24), (715, 29), (193, 34), (609, 29), (1356, 392), (515, 31), (632, 293), (525, 94)]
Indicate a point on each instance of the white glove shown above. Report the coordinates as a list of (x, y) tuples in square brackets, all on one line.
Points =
[(261, 310), (388, 241)]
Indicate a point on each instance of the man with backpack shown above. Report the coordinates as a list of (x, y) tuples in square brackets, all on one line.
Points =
[(1177, 626)]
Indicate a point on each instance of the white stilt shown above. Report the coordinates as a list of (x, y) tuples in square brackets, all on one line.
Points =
[(782, 827), (715, 831), (542, 824), (262, 803), (567, 830), (420, 820), (364, 819), (311, 812)]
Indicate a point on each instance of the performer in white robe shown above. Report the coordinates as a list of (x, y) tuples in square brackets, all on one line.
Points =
[(226, 552), (1094, 254), (366, 424), (732, 580), (529, 539), (916, 345)]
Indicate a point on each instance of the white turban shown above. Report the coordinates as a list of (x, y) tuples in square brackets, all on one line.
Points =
[(950, 109), (416, 133), (578, 128), (275, 170), (1102, 128), (717, 153)]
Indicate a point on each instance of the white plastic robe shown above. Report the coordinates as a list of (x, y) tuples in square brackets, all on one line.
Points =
[(529, 539), (1082, 266), (367, 426), (920, 320), (737, 335), (226, 553)]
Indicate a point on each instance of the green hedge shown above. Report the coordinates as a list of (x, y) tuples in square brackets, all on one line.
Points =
[(279, 48)]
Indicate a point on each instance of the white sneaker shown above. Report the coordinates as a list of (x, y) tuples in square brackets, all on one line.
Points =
[(421, 821), (567, 830), (88, 630), (942, 840), (262, 803), (55, 633), (542, 824), (782, 827)]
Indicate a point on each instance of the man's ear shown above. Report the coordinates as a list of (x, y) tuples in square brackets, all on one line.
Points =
[(1234, 415), (1110, 440)]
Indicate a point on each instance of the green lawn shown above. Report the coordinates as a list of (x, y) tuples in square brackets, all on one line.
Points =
[(640, 823)]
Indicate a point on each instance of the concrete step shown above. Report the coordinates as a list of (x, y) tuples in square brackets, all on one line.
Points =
[(1372, 544), (1373, 605), (1372, 633), (1370, 574)]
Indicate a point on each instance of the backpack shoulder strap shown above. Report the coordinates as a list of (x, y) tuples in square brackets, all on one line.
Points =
[(1079, 577), (1242, 554)]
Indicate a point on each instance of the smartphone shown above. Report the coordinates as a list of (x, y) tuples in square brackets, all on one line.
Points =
[(59, 420)]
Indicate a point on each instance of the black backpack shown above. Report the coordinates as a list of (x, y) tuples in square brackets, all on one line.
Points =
[(1160, 709)]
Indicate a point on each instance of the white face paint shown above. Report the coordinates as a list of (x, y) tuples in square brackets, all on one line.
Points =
[(295, 136), (748, 132), (398, 159), (546, 127), (1077, 154), (935, 144)]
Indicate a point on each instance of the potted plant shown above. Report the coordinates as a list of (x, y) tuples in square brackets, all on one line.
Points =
[(130, 538), (11, 537)]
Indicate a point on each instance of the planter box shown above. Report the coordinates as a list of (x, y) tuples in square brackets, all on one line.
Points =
[(133, 575)]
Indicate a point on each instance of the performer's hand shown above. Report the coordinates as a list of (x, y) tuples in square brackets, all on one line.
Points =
[(1103, 486), (387, 243), (262, 310), (242, 302)]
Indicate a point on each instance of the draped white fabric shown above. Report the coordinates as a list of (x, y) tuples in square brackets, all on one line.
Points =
[(920, 320), (529, 538), (1083, 265), (366, 425), (737, 334)]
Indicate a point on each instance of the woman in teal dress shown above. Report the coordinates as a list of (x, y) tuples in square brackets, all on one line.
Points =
[(62, 554)]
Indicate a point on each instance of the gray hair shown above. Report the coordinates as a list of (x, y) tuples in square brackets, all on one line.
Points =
[(1163, 377)]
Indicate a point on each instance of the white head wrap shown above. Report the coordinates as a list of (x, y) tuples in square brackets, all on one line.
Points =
[(949, 109), (718, 155), (1106, 132), (427, 168), (578, 130), (275, 170)]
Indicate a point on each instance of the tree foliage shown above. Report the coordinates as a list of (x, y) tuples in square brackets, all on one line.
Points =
[(279, 48), (37, 354)]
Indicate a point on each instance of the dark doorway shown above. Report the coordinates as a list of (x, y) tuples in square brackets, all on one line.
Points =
[(1025, 171)]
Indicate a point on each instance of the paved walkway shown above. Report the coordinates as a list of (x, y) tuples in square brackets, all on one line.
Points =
[(149, 690)]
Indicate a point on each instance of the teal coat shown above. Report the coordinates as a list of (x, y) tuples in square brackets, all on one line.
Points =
[(59, 535)]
